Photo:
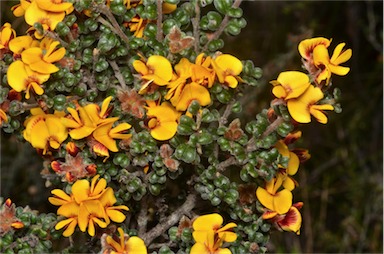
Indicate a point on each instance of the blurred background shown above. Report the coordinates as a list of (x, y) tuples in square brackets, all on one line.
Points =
[(342, 184)]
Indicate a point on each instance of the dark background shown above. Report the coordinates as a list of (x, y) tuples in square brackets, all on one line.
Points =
[(342, 184)]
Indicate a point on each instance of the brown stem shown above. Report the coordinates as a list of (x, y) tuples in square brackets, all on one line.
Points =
[(196, 28), (171, 220), (143, 219), (224, 23), (159, 22), (118, 74), (114, 25), (224, 118), (224, 164)]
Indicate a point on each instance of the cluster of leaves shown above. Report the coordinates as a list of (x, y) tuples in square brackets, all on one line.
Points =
[(212, 163)]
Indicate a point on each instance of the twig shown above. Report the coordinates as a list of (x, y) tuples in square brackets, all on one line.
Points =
[(224, 164), (118, 74), (143, 219), (54, 36), (115, 27), (155, 232), (196, 27), (224, 23), (224, 118), (159, 22)]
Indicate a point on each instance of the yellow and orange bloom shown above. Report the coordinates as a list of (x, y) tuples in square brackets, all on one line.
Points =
[(127, 244), (290, 84), (307, 46), (303, 107), (327, 65), (291, 221), (293, 165), (87, 206), (44, 131), (41, 59), (273, 199), (162, 120), (191, 92), (22, 78), (227, 69), (210, 235), (21, 43), (6, 34), (156, 69), (106, 135)]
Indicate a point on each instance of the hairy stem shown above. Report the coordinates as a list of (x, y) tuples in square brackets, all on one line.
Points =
[(116, 27), (196, 28), (224, 23), (157, 231), (118, 74), (159, 22), (224, 118)]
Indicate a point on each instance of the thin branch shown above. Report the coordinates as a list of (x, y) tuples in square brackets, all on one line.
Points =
[(196, 27), (114, 26), (143, 219), (118, 74), (224, 164), (224, 23), (224, 118), (54, 36), (159, 22), (171, 220)]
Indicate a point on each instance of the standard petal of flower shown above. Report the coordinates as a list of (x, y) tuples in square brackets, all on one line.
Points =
[(229, 63), (307, 46), (161, 67), (136, 245), (140, 67), (193, 91), (81, 190), (265, 198), (294, 82), (208, 222), (282, 201), (164, 131), (199, 248), (16, 76)]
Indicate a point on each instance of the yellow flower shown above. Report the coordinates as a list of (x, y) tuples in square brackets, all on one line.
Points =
[(127, 244), (22, 78), (303, 107), (209, 235), (157, 68), (44, 131), (328, 66), (191, 92), (183, 72), (211, 245), (291, 221), (290, 84), (6, 34), (54, 5), (162, 120), (89, 204), (137, 26), (293, 165), (19, 9), (85, 120), (213, 222), (41, 58), (106, 135), (47, 19), (227, 67), (113, 213), (307, 46), (274, 200), (21, 43)]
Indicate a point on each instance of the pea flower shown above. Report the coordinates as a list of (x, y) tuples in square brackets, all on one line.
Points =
[(21, 43), (162, 120), (209, 235), (41, 59), (192, 92), (331, 65), (290, 84), (89, 204), (291, 221), (22, 78), (307, 46), (6, 34), (293, 165), (274, 200), (106, 135), (227, 67), (44, 131), (304, 106), (19, 9), (127, 244), (157, 68), (8, 219)]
